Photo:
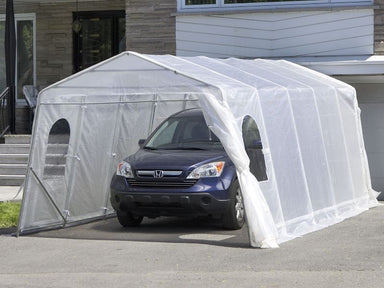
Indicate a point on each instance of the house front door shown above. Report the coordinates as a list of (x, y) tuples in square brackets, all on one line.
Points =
[(101, 35)]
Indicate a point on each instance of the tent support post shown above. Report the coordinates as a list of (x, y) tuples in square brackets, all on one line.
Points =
[(185, 101), (49, 195), (302, 166), (153, 111), (113, 153), (74, 156), (347, 155)]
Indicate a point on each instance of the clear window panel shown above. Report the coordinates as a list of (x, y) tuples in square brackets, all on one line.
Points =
[(55, 161), (254, 148), (24, 55)]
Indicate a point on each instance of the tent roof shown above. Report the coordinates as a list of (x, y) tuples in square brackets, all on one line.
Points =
[(134, 73)]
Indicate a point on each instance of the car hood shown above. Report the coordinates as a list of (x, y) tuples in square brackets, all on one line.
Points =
[(174, 159)]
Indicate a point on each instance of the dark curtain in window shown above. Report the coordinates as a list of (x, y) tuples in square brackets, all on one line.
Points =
[(10, 59)]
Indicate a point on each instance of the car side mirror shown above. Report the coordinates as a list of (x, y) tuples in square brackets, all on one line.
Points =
[(141, 143)]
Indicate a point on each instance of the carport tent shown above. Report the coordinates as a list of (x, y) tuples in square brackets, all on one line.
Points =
[(309, 124)]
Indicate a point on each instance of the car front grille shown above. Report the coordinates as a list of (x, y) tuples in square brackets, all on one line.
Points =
[(161, 179), (158, 173), (161, 184)]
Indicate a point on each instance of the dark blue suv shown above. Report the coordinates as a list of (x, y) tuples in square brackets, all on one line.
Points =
[(180, 170)]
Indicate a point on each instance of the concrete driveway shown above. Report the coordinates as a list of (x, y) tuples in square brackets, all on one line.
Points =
[(164, 230), (170, 253)]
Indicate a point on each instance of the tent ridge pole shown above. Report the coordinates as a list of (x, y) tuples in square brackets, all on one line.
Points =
[(117, 102)]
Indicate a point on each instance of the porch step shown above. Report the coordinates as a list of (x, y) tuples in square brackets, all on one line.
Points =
[(14, 149), (55, 159), (11, 180), (17, 139), (54, 149), (54, 170), (13, 158), (13, 169), (14, 155)]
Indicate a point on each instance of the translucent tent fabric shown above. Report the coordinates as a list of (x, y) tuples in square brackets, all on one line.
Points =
[(317, 169)]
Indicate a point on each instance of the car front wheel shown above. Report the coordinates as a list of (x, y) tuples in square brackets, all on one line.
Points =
[(127, 219), (234, 219)]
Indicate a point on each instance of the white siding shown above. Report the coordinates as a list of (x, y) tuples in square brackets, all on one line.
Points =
[(371, 102), (306, 33)]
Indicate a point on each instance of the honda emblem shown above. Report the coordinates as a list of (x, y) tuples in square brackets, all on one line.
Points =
[(159, 174)]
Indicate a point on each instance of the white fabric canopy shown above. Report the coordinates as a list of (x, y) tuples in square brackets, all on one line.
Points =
[(309, 125)]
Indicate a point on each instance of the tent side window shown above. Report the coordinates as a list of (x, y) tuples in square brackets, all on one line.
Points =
[(58, 141), (254, 148)]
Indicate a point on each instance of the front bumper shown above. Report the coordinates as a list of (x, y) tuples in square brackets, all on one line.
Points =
[(169, 204), (206, 196)]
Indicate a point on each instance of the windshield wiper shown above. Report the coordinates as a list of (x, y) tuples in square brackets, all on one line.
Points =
[(149, 148), (173, 148), (189, 148)]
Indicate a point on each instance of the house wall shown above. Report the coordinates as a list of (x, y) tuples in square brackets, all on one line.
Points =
[(54, 41), (276, 34), (150, 26), (54, 34), (371, 103)]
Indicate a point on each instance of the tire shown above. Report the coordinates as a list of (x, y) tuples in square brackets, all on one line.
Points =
[(234, 219), (127, 219)]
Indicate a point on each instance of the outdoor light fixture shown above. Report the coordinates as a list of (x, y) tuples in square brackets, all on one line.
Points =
[(76, 25)]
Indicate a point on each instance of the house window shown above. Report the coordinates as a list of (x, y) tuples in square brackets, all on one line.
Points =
[(251, 1), (199, 2), (102, 35), (3, 83), (26, 55), (221, 3), (203, 4)]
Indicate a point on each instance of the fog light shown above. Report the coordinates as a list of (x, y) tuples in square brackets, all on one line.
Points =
[(206, 200)]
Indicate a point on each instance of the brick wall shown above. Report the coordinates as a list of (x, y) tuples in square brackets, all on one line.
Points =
[(53, 43), (150, 28)]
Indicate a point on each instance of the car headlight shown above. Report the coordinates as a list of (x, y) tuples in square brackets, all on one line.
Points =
[(124, 169), (213, 169)]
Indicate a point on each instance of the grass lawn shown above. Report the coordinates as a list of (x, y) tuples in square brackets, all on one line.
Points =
[(9, 214)]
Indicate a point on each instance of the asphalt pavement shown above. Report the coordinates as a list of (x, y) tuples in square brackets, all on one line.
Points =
[(183, 253)]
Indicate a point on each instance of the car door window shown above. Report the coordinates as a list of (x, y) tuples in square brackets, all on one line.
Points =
[(164, 135)]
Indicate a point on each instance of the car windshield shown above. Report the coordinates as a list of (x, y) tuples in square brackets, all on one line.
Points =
[(184, 133)]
